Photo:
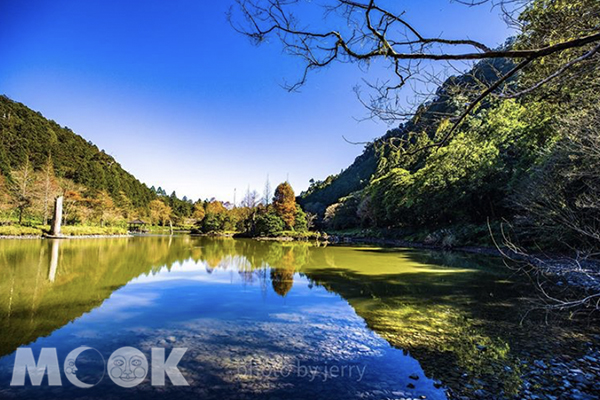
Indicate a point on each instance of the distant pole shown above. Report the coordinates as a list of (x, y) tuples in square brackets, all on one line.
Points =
[(57, 219), (234, 197)]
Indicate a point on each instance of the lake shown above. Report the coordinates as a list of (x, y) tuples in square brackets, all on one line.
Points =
[(269, 319)]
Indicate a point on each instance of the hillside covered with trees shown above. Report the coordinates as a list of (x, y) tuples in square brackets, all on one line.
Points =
[(524, 159), (40, 160)]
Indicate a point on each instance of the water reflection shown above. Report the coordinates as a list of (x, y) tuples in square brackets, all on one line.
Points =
[(243, 306), (53, 260)]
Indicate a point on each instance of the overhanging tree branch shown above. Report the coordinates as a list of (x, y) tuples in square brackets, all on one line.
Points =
[(368, 32)]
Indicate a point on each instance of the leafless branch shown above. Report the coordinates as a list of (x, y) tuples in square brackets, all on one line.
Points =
[(366, 33)]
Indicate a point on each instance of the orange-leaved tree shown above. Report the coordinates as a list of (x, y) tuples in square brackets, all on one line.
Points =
[(284, 203)]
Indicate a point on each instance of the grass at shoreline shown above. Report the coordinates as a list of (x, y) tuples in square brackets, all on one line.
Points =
[(78, 230), (93, 230), (308, 235), (15, 230)]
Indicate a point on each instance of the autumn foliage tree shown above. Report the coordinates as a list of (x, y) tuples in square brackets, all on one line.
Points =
[(160, 213), (199, 212), (284, 203), (23, 182)]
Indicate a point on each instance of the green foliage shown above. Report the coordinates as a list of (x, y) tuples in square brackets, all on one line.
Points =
[(40, 159), (11, 230), (79, 230), (560, 199), (322, 194), (474, 178), (254, 219), (269, 224), (25, 133), (469, 179), (379, 157), (342, 215), (301, 223), (548, 22)]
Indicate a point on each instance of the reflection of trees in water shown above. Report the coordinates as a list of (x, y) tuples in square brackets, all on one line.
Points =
[(252, 259), (45, 284), (282, 276), (433, 316), (455, 313), (438, 306), (282, 280)]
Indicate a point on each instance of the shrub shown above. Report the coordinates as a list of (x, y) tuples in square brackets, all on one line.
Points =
[(269, 224), (301, 224)]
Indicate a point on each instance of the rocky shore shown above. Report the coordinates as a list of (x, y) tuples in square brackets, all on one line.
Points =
[(563, 377)]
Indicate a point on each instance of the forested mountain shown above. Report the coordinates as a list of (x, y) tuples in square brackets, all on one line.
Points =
[(322, 194), (39, 159), (525, 159), (27, 135)]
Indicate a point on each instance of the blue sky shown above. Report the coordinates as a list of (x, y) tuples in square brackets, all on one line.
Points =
[(184, 102)]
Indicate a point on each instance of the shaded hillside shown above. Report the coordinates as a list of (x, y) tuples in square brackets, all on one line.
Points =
[(324, 193), (357, 176)]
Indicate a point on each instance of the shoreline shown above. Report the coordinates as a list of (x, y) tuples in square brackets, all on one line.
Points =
[(29, 237), (572, 374), (563, 270)]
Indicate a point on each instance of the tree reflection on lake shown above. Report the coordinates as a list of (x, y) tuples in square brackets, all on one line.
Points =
[(243, 307)]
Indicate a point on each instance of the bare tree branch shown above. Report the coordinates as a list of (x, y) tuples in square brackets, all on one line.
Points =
[(368, 32), (555, 75)]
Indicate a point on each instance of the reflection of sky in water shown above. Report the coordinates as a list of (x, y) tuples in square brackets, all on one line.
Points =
[(229, 319)]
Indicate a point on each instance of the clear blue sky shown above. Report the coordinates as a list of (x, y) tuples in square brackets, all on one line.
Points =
[(184, 102)]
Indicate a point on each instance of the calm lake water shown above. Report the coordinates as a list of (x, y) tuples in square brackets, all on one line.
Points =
[(270, 320)]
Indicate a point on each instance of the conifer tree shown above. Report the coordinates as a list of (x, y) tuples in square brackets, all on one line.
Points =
[(284, 203)]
